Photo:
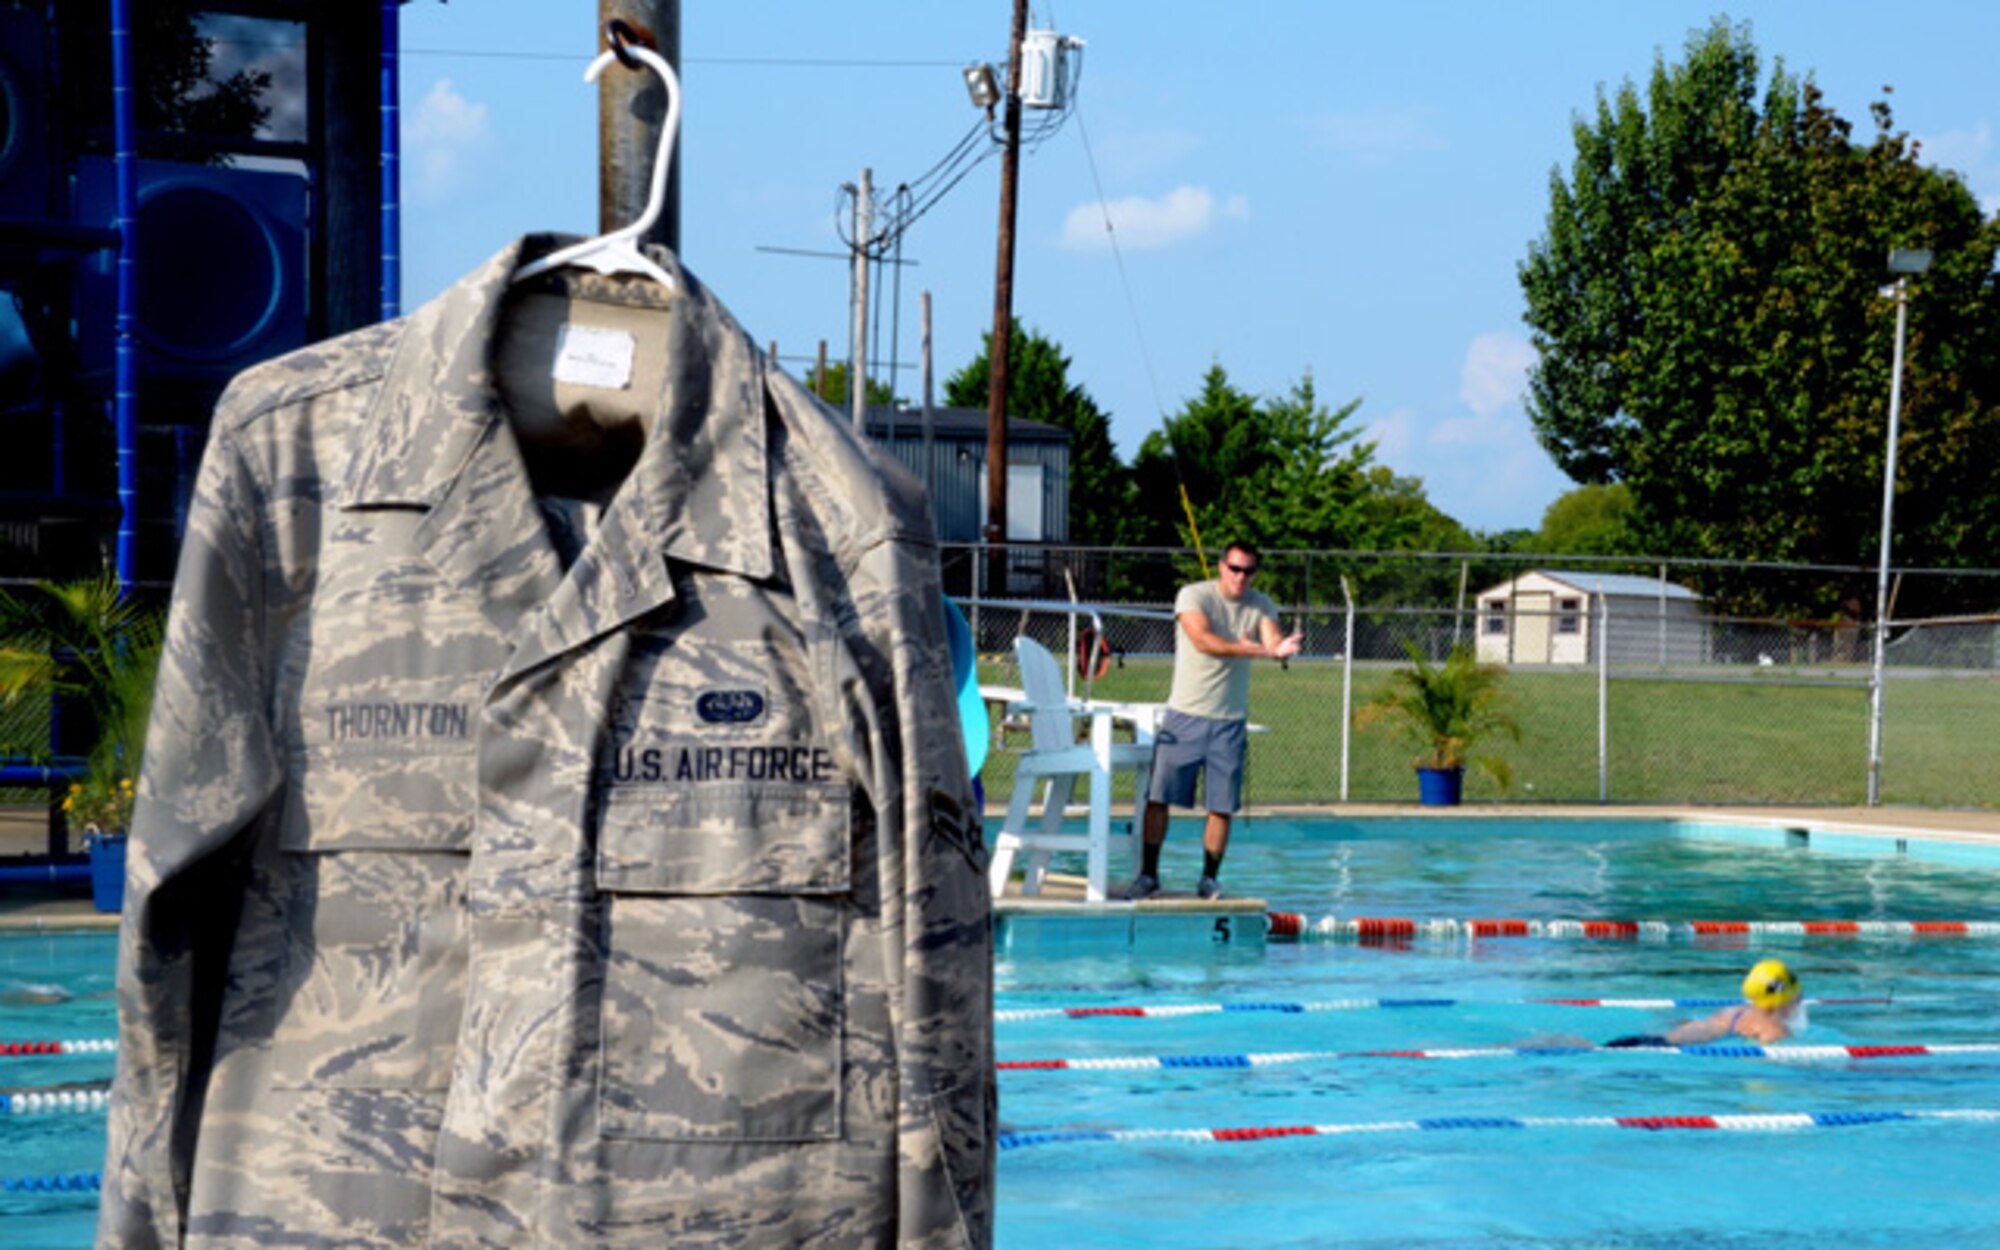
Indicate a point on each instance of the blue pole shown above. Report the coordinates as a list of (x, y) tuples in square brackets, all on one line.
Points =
[(125, 404), (53, 772), (392, 151)]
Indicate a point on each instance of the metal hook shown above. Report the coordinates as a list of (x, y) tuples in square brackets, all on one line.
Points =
[(623, 38)]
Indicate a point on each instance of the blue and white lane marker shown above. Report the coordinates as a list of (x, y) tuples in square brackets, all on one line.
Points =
[(1651, 1123), (1176, 1010), (1706, 1050)]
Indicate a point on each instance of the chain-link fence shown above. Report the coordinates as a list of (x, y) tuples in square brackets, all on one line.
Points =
[(1639, 697), (24, 728), (1627, 686)]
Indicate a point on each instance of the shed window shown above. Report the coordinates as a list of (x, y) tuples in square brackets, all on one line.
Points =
[(1496, 616), (1569, 615)]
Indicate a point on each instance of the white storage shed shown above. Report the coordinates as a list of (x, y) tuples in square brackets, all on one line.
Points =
[(1552, 616)]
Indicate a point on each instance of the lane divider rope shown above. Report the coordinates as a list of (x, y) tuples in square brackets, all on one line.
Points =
[(1171, 1011), (1705, 1050), (1652, 1123), (81, 1046), (1294, 926), (33, 1102), (53, 1183)]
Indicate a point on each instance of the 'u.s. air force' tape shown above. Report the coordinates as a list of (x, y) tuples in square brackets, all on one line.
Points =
[(965, 675)]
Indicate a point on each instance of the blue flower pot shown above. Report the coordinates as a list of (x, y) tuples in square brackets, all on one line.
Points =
[(107, 871), (1440, 787)]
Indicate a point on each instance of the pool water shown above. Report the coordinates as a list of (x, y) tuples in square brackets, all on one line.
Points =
[(1908, 1184), (1911, 1185), (81, 966)]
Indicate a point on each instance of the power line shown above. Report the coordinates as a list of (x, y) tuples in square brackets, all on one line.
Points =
[(770, 62), (502, 54), (1124, 279)]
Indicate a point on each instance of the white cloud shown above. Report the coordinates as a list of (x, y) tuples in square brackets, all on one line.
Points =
[(447, 137), (1374, 135), (1970, 153), (1495, 372), (1181, 214), (1395, 434), (1482, 463), (1489, 472)]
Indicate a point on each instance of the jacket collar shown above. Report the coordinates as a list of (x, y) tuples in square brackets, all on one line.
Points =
[(700, 492)]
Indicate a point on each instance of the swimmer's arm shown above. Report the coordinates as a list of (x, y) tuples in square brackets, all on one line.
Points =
[(1689, 1032)]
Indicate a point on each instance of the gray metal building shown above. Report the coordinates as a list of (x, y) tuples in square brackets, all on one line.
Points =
[(1037, 471)]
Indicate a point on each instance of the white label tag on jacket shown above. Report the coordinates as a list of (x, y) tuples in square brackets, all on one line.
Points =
[(594, 356)]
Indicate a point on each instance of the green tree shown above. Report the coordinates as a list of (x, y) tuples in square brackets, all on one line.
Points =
[(1591, 520), (1287, 473), (1039, 389), (1707, 306), (833, 387), (1403, 516), (177, 92)]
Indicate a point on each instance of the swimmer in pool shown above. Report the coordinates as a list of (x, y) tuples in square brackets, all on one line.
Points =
[(1770, 1012), (22, 994)]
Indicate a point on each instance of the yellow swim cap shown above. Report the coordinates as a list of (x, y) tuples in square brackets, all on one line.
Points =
[(1771, 985)]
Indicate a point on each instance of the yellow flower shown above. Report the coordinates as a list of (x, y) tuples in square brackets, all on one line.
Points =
[(69, 804)]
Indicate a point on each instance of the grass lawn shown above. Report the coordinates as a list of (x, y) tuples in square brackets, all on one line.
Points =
[(1669, 741)]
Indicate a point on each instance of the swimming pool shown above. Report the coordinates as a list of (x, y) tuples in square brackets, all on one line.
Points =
[(1468, 1180), (1447, 1159), (77, 969)]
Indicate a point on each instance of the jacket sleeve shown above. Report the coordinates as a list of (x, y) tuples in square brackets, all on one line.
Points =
[(209, 770), (933, 852)]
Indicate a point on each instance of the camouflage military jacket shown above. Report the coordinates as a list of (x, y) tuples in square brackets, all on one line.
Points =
[(484, 897)]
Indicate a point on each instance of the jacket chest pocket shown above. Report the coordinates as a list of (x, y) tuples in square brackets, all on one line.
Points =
[(374, 857), (725, 912)]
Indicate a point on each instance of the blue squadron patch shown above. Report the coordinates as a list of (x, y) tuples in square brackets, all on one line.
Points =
[(729, 707)]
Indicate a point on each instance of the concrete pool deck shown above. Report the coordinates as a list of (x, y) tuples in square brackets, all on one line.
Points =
[(38, 908)]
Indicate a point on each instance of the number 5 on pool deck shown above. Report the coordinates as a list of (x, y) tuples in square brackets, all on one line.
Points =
[(1221, 933)]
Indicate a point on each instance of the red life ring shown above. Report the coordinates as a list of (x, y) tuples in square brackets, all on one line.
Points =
[(1086, 642)]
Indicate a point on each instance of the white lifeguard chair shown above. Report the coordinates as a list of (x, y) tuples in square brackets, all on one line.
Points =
[(1053, 763)]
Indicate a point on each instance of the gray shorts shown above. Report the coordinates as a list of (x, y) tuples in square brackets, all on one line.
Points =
[(1189, 746)]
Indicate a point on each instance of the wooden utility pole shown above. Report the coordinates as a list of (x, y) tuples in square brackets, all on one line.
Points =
[(345, 249), (929, 432), (631, 106), (1003, 318)]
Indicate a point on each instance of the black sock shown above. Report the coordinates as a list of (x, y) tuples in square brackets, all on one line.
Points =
[(1211, 863), (1149, 858)]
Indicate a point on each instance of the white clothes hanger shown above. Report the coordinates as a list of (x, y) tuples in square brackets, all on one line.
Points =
[(618, 252)]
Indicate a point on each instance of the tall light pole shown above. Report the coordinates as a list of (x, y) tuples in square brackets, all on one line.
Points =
[(1903, 262)]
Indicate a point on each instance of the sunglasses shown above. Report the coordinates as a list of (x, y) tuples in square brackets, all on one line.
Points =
[(1242, 570)]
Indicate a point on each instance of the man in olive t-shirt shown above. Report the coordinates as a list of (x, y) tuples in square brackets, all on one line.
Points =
[(1223, 626)]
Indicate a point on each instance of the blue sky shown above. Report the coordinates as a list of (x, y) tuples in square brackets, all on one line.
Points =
[(1297, 186)]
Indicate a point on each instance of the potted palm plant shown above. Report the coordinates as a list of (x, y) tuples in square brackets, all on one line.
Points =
[(87, 646), (1443, 710)]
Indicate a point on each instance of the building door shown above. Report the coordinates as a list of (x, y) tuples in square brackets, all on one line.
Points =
[(1534, 629)]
